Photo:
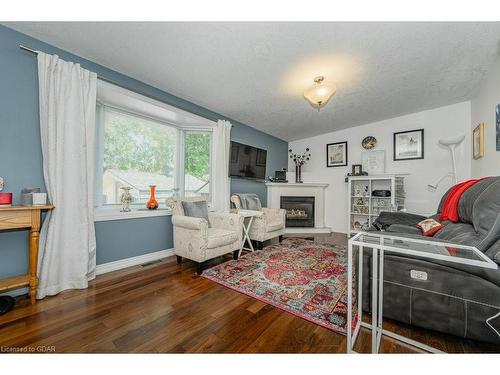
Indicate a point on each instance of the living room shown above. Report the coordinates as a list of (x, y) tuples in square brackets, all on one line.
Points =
[(250, 187)]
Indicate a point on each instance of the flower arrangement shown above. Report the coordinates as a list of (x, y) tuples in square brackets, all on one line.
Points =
[(299, 160)]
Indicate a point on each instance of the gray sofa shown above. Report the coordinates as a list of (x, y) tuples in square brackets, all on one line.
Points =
[(455, 299)]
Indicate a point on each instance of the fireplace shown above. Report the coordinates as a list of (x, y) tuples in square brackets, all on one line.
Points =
[(299, 211)]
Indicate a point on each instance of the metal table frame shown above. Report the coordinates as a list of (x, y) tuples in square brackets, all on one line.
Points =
[(376, 325), (247, 214)]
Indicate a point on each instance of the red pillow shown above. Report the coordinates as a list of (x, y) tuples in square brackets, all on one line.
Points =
[(429, 227)]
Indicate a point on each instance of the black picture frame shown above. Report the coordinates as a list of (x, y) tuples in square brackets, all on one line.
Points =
[(344, 164), (422, 143), (359, 168)]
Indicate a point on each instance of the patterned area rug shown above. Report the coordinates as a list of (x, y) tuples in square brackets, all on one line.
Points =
[(300, 276)]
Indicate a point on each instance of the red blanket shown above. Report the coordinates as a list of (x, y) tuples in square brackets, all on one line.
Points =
[(450, 206)]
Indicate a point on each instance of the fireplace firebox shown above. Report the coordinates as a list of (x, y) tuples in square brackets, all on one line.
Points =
[(299, 211)]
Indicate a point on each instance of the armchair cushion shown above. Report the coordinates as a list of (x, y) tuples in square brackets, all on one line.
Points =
[(196, 209), (220, 237)]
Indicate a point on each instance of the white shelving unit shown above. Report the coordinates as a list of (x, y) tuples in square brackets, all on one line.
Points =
[(363, 208)]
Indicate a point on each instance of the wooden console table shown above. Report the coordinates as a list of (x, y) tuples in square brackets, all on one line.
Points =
[(20, 217)]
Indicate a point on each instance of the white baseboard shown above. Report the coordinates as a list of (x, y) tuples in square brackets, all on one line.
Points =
[(110, 267), (134, 261)]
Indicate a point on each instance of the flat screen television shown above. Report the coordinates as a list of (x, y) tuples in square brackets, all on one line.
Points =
[(247, 161)]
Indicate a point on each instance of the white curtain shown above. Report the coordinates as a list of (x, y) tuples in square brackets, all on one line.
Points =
[(221, 183), (67, 96)]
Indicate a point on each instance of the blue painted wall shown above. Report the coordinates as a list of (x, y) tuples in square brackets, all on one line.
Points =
[(21, 158)]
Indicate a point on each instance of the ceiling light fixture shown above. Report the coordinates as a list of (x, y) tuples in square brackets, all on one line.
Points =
[(320, 93)]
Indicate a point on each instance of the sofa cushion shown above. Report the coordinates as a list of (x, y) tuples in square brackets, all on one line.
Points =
[(400, 228), (459, 233), (196, 209), (220, 237)]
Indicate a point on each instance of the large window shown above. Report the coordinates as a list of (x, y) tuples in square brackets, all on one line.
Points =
[(197, 163), (136, 150), (137, 153)]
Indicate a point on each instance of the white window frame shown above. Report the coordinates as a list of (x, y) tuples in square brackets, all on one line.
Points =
[(116, 98)]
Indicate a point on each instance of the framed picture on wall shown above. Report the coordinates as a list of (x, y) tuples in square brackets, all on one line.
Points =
[(478, 141), (336, 154), (373, 161), (409, 145)]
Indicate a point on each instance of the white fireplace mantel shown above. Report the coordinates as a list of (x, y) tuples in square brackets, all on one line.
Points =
[(276, 190)]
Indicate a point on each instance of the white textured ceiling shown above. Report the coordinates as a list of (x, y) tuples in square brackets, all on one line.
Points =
[(256, 72)]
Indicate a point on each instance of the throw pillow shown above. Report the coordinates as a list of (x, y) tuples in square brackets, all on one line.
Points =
[(429, 227), (253, 202), (196, 209)]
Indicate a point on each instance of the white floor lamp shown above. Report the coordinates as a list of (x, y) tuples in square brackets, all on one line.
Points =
[(451, 143)]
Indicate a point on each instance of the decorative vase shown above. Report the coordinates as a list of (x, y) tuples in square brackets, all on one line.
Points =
[(298, 174), (152, 202), (126, 198)]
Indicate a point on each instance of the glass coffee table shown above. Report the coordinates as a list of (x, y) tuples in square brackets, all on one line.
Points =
[(380, 243)]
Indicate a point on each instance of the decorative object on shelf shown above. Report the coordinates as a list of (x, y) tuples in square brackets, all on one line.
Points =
[(357, 170), (478, 141), (299, 160), (369, 142), (126, 199), (27, 196), (5, 198), (279, 176), (39, 199), (373, 162), (498, 126), (381, 193), (451, 143), (320, 93), (409, 145), (152, 202), (336, 154)]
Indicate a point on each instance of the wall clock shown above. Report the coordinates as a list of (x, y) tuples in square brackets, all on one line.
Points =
[(369, 142)]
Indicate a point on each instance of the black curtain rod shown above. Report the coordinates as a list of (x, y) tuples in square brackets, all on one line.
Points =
[(35, 52)]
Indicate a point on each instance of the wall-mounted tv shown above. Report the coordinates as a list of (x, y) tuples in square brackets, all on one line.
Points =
[(247, 161)]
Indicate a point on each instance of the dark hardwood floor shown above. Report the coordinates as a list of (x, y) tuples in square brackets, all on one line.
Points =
[(166, 308)]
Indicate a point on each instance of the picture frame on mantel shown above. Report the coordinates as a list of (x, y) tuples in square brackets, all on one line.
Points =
[(409, 145), (336, 154)]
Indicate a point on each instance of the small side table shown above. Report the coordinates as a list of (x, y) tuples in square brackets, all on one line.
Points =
[(21, 217), (380, 244), (247, 225)]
